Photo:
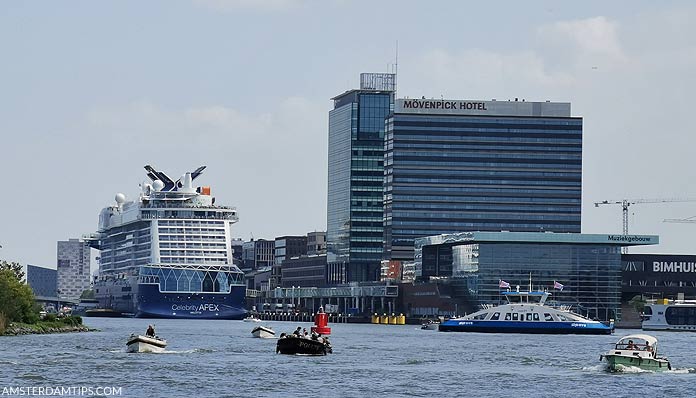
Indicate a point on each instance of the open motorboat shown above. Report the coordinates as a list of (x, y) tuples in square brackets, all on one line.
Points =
[(292, 345), (140, 343), (636, 350), (251, 318), (430, 325), (263, 332), (526, 312)]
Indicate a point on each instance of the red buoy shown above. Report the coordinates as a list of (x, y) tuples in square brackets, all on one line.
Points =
[(321, 321)]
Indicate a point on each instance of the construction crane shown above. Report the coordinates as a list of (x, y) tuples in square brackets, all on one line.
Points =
[(691, 219), (625, 203)]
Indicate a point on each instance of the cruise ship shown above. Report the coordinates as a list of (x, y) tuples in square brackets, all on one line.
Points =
[(168, 253)]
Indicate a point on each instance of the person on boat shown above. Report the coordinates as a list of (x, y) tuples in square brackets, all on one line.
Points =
[(631, 346), (282, 335), (298, 331), (648, 347), (304, 332), (150, 331)]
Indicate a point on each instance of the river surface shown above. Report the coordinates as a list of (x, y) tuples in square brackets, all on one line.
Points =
[(222, 359)]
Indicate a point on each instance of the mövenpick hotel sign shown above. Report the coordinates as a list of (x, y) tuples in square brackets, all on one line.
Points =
[(483, 108)]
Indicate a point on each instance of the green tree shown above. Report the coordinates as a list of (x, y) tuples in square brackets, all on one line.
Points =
[(637, 302), (87, 294), (16, 299), (16, 268)]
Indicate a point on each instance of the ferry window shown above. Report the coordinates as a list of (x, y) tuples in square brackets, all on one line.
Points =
[(536, 316), (529, 317), (514, 316), (507, 316), (561, 317), (482, 316), (495, 316), (548, 317)]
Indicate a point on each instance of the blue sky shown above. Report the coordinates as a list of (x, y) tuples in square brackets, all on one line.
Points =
[(93, 91)]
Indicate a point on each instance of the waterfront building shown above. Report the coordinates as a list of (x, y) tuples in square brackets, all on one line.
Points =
[(588, 266), (284, 248), (305, 271), (42, 281), (289, 246), (316, 243), (469, 165), (258, 253), (73, 268), (658, 275), (355, 178), (237, 246)]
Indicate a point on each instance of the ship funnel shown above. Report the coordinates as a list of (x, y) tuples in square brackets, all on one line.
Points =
[(187, 183)]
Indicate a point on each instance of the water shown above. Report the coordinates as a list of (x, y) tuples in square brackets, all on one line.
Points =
[(221, 359)]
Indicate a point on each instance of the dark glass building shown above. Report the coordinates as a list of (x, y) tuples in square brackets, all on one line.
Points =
[(356, 171), (42, 281), (658, 275), (455, 166), (587, 265)]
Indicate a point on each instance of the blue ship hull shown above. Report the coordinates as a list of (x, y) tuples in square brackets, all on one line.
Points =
[(151, 303), (457, 325)]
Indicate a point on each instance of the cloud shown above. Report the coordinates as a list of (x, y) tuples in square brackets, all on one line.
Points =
[(480, 74), (590, 40)]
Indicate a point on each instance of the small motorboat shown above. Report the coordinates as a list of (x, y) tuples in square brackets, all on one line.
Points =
[(636, 350), (251, 318), (140, 343), (292, 345), (430, 325), (263, 332)]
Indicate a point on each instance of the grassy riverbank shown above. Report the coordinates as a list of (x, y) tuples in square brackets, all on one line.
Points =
[(66, 324)]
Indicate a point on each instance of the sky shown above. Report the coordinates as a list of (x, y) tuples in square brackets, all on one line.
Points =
[(90, 92)]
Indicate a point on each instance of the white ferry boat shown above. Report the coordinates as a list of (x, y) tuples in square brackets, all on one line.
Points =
[(672, 315), (167, 254), (526, 312)]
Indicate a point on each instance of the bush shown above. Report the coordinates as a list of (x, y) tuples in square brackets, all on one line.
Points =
[(16, 299), (3, 323), (50, 318), (75, 320)]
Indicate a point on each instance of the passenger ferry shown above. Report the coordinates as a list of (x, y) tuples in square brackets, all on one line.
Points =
[(168, 253), (672, 315), (526, 312)]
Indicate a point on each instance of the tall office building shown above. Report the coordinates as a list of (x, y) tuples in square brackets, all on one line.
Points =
[(73, 268), (457, 166), (356, 172)]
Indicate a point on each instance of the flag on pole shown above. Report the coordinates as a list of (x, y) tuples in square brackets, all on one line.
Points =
[(502, 284), (557, 285)]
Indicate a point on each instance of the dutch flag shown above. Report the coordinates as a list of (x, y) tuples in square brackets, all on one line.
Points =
[(502, 284), (557, 285)]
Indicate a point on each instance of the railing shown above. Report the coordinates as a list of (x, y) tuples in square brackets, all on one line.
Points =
[(345, 291)]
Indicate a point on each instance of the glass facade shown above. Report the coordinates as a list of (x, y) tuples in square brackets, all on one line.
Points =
[(191, 280), (453, 173), (355, 187)]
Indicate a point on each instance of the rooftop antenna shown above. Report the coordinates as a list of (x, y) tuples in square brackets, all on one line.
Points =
[(396, 67)]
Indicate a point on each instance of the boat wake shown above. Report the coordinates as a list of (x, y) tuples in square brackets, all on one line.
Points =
[(595, 368), (191, 351)]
